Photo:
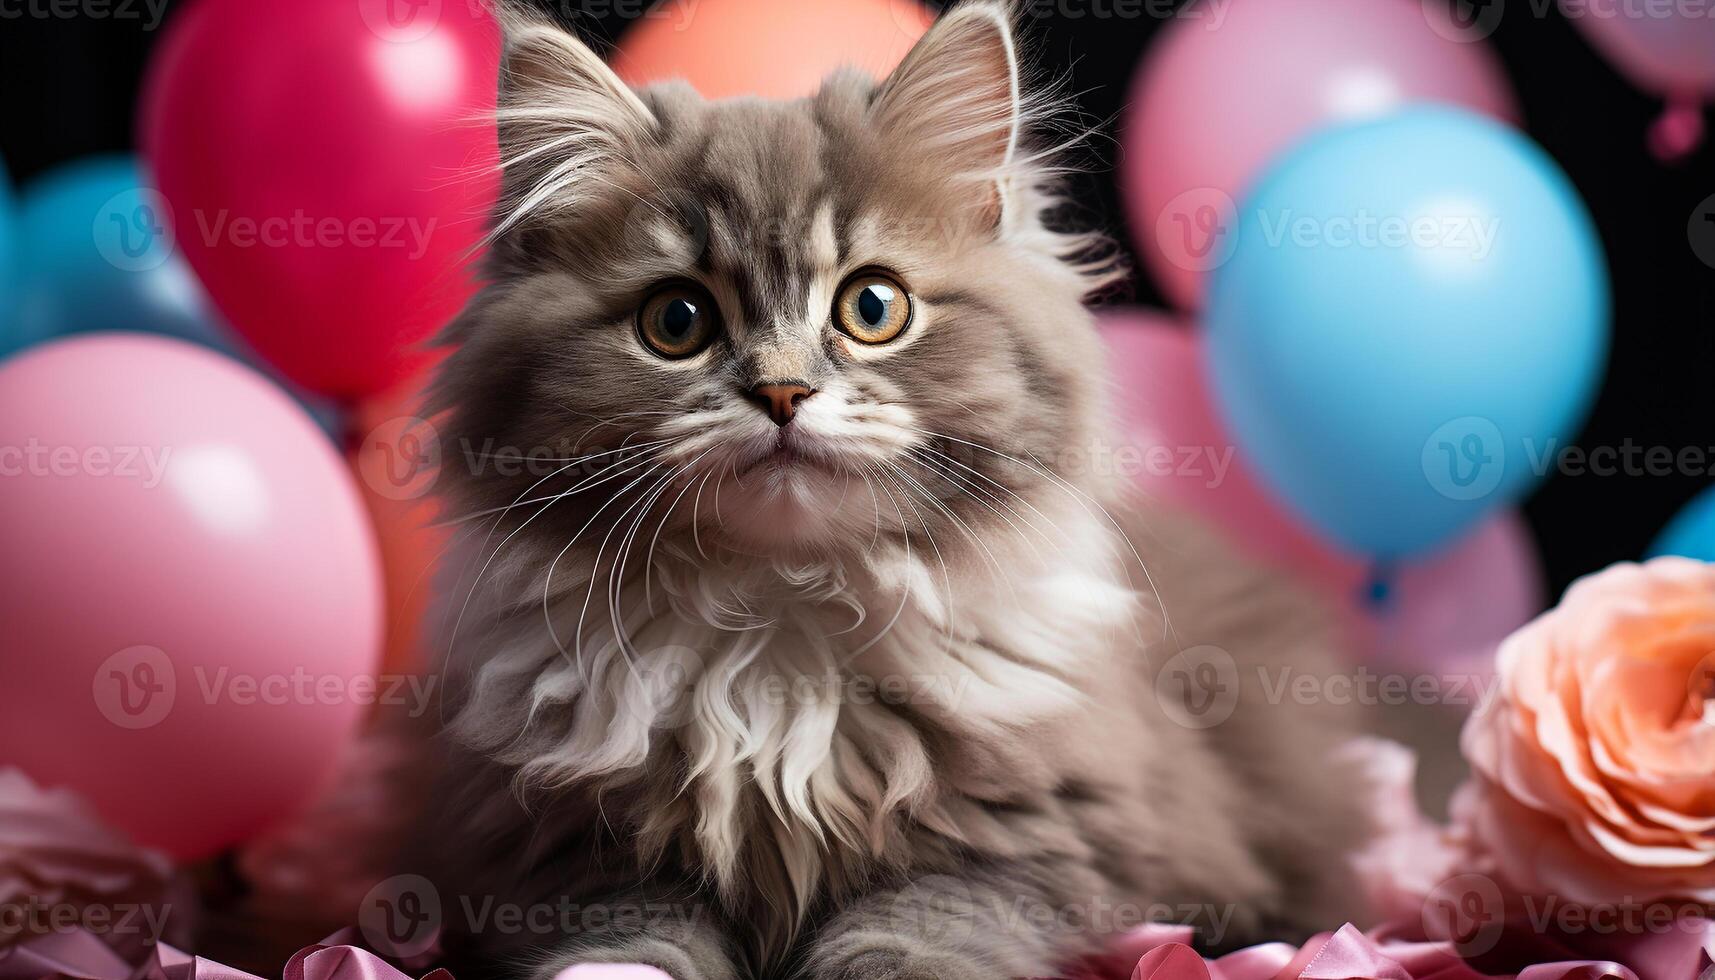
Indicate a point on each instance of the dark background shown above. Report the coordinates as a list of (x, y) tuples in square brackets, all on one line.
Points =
[(68, 85)]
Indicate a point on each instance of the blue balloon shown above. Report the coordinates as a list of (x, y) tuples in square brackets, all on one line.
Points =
[(1412, 320), (95, 246), (7, 219), (96, 252), (1692, 533)]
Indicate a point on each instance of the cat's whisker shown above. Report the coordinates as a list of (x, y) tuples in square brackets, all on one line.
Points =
[(935, 502), (971, 490), (548, 581), (476, 583), (616, 579), (696, 518), (1084, 501), (616, 574), (521, 502), (947, 616), (649, 558), (904, 593), (928, 457)]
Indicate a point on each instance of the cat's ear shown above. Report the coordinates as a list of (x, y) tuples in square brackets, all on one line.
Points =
[(562, 113), (956, 97)]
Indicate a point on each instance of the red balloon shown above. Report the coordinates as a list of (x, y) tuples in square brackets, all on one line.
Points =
[(328, 165)]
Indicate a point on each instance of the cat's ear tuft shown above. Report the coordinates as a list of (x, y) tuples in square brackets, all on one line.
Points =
[(956, 95), (561, 110)]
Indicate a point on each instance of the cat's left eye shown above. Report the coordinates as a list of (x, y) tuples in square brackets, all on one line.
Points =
[(873, 307)]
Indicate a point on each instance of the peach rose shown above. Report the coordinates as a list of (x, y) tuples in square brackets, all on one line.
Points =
[(1595, 765)]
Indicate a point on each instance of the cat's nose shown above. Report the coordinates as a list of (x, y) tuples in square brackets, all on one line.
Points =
[(780, 401)]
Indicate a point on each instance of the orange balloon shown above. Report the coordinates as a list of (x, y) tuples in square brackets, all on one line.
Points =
[(397, 479), (779, 49)]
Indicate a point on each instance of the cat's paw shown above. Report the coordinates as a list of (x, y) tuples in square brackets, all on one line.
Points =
[(647, 960)]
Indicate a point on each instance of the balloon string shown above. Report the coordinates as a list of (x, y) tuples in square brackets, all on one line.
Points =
[(1679, 130)]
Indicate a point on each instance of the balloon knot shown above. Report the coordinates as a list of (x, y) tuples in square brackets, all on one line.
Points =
[(1378, 589), (1678, 132)]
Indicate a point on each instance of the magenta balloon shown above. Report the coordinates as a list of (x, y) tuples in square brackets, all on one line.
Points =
[(328, 166), (1666, 48), (191, 592), (1220, 94), (1173, 444)]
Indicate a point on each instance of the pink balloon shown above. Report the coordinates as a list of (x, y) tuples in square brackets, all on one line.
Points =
[(327, 167), (1668, 50), (1174, 444), (191, 593), (1228, 86), (1453, 609)]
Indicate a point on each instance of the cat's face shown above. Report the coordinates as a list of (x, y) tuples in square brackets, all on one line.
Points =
[(804, 323)]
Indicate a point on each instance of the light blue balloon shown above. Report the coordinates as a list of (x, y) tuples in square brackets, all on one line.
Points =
[(1412, 320), (7, 220), (1692, 533), (96, 251)]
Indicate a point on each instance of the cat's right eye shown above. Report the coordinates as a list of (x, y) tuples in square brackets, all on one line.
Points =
[(678, 320)]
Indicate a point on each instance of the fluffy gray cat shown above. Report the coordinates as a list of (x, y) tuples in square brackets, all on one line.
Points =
[(815, 640)]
